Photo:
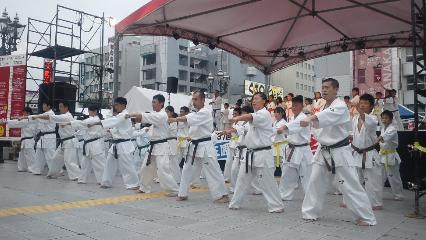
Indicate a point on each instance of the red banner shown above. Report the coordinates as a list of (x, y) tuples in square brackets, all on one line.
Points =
[(18, 96), (4, 96), (377, 74)]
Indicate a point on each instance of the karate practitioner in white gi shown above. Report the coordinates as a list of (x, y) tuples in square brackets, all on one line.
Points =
[(182, 135), (257, 161), (279, 140), (28, 130), (173, 145), (93, 146), (157, 159), (334, 161), (46, 144), (233, 143), (121, 148), (67, 149), (202, 153), (364, 145), (297, 162), (217, 106), (389, 157), (142, 140)]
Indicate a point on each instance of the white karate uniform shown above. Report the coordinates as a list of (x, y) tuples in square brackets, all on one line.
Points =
[(390, 159), (66, 153), (279, 142), (217, 106), (232, 151), (298, 167), (27, 154), (94, 157), (142, 145), (201, 126), (392, 104), (46, 146), (160, 161), (371, 176), (333, 126), (261, 166), (173, 149), (241, 130), (79, 135), (120, 129), (182, 134)]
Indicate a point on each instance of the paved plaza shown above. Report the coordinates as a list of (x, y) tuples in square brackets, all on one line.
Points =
[(33, 207)]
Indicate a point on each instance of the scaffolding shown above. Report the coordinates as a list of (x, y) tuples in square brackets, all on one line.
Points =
[(64, 41)]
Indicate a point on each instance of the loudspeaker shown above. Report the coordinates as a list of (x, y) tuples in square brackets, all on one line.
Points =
[(55, 92), (172, 84)]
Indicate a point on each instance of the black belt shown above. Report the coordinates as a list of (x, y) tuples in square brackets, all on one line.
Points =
[(394, 111), (332, 168), (80, 140), (65, 139), (142, 147), (240, 151), (41, 134), (88, 141), (151, 144), (292, 147), (250, 152), (364, 151), (172, 138), (194, 151), (115, 142), (26, 138)]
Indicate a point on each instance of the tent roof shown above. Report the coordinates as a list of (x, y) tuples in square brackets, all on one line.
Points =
[(272, 34)]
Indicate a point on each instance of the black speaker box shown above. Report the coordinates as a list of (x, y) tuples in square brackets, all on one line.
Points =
[(172, 84), (55, 92)]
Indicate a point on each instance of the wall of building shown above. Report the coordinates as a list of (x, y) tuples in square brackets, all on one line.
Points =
[(298, 79)]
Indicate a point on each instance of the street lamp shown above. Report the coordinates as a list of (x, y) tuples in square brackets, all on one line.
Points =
[(11, 32), (222, 79)]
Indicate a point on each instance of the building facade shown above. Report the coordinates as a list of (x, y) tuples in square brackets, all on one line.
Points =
[(298, 79)]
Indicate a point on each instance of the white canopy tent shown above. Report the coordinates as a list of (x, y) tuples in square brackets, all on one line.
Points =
[(139, 99)]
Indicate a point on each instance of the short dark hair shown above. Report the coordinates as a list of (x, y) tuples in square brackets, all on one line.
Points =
[(281, 111), (93, 108), (47, 103), (65, 103), (309, 100), (237, 110), (379, 93), (279, 99), (185, 109), (291, 94), (346, 97), (201, 93), (333, 82), (121, 100), (28, 110), (387, 113), (170, 109), (247, 109), (393, 90), (226, 104), (160, 98), (262, 95), (355, 89), (297, 99), (367, 97)]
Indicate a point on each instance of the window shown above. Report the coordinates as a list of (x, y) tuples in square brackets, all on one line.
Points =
[(305, 76), (305, 88), (182, 88), (297, 86), (149, 59), (183, 75), (361, 75), (309, 66), (421, 82), (313, 69), (297, 74), (149, 74), (183, 60), (306, 66)]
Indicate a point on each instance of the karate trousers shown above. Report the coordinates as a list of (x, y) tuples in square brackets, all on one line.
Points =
[(43, 156), (373, 184), (346, 177), (267, 184), (26, 160), (67, 156), (391, 173), (161, 165), (290, 176), (126, 167), (211, 170), (89, 162)]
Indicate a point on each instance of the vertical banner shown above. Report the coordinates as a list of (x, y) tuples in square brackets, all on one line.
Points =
[(13, 74), (377, 74), (17, 103), (4, 96)]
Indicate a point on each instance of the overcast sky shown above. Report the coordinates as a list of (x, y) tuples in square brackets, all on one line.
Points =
[(46, 9)]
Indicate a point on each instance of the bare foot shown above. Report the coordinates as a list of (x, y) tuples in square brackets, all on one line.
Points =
[(223, 199), (171, 194), (105, 186), (81, 182), (361, 222), (234, 208), (181, 199), (375, 208), (278, 211), (342, 205), (133, 188), (139, 191)]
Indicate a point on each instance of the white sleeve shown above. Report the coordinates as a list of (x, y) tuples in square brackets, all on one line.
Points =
[(198, 118), (17, 124), (62, 118), (258, 118), (152, 118), (389, 134), (78, 124), (113, 121), (370, 122), (294, 127), (332, 116)]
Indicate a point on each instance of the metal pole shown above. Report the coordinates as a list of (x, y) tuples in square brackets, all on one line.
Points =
[(116, 63), (102, 70)]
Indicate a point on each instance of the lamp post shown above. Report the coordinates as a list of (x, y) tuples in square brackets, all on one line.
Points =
[(10, 32), (222, 79)]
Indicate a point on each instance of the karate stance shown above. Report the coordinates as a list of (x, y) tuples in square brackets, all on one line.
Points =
[(257, 161), (334, 161), (201, 152)]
